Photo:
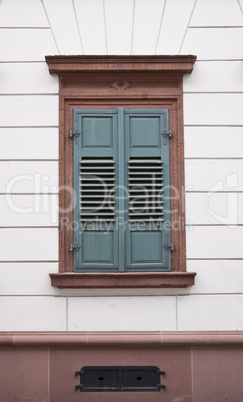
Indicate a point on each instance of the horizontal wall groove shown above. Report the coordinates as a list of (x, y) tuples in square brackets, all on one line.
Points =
[(120, 295), (31, 94), (213, 125), (214, 259), (75, 296), (212, 192), (29, 126), (216, 26), (229, 225), (228, 59), (22, 61), (217, 60), (32, 295), (21, 28), (23, 262), (29, 160), (211, 92), (213, 158), (30, 193), (210, 294), (30, 227), (220, 294), (176, 294), (28, 261)]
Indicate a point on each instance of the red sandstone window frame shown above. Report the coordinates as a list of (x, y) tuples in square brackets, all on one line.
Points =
[(131, 82)]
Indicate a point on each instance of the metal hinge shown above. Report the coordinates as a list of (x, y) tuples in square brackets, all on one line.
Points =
[(162, 387), (169, 245), (74, 134), (166, 134), (75, 247)]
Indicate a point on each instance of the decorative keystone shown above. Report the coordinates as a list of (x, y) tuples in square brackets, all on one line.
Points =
[(120, 84)]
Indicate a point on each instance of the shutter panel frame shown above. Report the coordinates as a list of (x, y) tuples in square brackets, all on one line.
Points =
[(140, 147), (96, 237)]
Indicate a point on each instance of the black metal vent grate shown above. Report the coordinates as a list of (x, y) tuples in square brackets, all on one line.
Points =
[(120, 379)]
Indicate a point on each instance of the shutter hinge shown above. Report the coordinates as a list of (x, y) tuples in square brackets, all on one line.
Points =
[(74, 134), (75, 247), (169, 245), (166, 134)]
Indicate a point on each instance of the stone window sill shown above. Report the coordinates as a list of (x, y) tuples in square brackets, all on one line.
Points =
[(123, 280)]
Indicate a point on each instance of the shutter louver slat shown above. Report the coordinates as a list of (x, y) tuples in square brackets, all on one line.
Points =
[(145, 190), (97, 181)]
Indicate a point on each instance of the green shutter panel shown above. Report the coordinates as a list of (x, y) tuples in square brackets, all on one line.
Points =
[(95, 175), (147, 178)]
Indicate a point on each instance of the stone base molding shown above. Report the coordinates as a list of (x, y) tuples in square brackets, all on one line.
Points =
[(157, 338)]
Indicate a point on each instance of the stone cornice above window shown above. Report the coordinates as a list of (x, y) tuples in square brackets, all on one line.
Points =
[(72, 64)]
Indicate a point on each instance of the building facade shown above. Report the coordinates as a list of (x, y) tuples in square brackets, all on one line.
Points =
[(129, 300)]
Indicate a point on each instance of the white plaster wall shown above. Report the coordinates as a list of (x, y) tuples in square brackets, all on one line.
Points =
[(213, 104)]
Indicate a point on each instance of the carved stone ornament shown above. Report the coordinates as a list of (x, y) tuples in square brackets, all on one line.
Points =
[(120, 84)]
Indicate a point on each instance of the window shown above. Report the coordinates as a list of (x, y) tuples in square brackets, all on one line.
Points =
[(121, 182), (115, 101)]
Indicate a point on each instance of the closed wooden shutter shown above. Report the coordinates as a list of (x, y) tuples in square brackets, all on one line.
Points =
[(147, 160), (95, 175), (121, 182)]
